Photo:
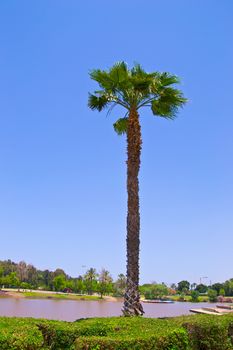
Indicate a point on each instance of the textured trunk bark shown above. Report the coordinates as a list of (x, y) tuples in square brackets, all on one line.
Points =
[(132, 305)]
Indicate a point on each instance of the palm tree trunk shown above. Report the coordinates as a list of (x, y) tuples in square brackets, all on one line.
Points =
[(132, 305)]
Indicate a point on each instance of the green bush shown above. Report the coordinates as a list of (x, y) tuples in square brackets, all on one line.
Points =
[(212, 295), (195, 296), (62, 335), (20, 334), (175, 340), (197, 332), (210, 333)]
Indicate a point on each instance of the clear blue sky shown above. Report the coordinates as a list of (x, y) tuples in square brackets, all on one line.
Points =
[(62, 167)]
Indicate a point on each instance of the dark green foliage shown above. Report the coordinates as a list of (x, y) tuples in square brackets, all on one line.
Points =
[(210, 333), (212, 295), (155, 291), (195, 296), (175, 340), (25, 276), (199, 332), (201, 288), (134, 87), (228, 287), (120, 126), (139, 333), (62, 335), (183, 286), (97, 102), (20, 334)]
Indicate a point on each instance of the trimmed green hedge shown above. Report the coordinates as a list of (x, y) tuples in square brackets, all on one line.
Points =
[(19, 334), (197, 332), (175, 340)]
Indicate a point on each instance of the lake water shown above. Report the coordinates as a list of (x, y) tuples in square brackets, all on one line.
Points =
[(70, 310)]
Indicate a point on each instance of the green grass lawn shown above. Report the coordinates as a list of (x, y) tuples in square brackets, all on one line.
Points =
[(40, 295)]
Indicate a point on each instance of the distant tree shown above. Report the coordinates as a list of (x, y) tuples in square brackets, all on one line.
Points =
[(59, 283), (228, 287), (33, 275), (104, 283), (173, 286), (212, 294), (222, 292), (8, 266), (59, 272), (217, 287), (171, 291), (183, 286), (120, 285), (25, 285), (143, 288), (193, 286), (90, 280), (194, 296), (80, 288), (70, 284), (47, 279), (156, 291), (22, 271), (201, 288), (11, 280)]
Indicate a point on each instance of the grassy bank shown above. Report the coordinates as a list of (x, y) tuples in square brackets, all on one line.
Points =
[(39, 295), (201, 298), (34, 294), (198, 332)]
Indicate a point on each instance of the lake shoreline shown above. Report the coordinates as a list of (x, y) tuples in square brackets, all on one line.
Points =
[(36, 294)]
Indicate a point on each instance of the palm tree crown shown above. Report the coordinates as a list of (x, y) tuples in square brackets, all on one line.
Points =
[(135, 88)]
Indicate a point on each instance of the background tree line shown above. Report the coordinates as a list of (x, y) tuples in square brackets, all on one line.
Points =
[(214, 292), (184, 288), (26, 276)]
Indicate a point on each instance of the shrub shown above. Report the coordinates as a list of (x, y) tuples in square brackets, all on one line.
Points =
[(62, 335), (195, 296), (19, 334), (175, 340), (209, 333), (212, 294), (197, 332)]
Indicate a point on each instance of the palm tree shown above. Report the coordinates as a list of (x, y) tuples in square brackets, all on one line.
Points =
[(133, 89), (90, 279), (105, 282)]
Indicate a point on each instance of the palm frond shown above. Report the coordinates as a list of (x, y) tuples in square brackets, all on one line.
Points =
[(141, 84), (117, 78), (135, 87), (120, 126), (167, 79), (103, 79), (138, 71), (120, 78), (119, 72), (168, 103), (97, 102)]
